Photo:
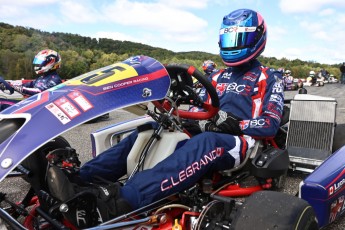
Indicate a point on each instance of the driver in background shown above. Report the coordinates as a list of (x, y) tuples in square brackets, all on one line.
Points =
[(45, 63), (209, 67), (251, 106)]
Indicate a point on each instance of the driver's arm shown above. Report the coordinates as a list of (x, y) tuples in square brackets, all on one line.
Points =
[(267, 123), (31, 89)]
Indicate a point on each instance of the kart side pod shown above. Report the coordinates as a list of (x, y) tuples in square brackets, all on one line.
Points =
[(270, 163)]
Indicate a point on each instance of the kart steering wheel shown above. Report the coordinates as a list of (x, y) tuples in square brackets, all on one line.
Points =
[(7, 85), (181, 91)]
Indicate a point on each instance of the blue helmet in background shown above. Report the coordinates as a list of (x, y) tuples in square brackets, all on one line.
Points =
[(242, 37)]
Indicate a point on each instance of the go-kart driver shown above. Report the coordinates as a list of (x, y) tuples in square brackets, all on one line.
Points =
[(45, 63), (209, 67), (251, 103), (287, 75), (312, 77)]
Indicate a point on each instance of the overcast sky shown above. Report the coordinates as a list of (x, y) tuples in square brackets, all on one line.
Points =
[(310, 30)]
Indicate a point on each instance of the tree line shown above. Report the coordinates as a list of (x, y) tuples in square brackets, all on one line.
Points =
[(19, 45)]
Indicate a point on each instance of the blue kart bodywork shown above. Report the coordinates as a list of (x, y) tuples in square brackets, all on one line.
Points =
[(55, 111), (324, 189)]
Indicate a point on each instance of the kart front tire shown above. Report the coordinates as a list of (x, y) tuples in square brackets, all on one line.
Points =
[(36, 163), (275, 210)]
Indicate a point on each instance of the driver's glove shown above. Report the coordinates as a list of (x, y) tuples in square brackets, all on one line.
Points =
[(191, 126), (18, 88), (196, 127), (228, 123), (208, 126)]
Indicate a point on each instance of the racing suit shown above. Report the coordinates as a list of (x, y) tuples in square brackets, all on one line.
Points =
[(40, 84), (252, 92)]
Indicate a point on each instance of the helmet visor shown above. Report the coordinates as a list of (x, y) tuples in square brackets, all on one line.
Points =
[(237, 37), (39, 61)]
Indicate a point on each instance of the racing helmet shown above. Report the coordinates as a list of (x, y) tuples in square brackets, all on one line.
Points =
[(242, 37), (287, 72), (46, 60), (208, 66), (312, 73)]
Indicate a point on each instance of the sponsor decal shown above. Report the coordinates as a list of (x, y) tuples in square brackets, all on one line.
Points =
[(337, 207), (276, 98), (58, 113), (227, 75), (81, 215), (255, 123), (250, 76), (336, 186), (237, 29), (147, 92), (221, 87), (278, 86), (235, 88), (192, 169), (274, 109), (80, 100), (65, 105), (244, 124), (135, 60)]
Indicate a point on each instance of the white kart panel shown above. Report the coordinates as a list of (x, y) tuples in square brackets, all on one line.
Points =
[(103, 139), (163, 148)]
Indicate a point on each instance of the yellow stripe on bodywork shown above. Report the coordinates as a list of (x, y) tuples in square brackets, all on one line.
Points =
[(105, 76)]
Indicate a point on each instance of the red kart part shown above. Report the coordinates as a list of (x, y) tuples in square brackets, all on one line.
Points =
[(235, 190)]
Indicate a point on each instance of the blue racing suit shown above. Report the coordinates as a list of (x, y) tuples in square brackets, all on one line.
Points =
[(252, 92), (40, 84)]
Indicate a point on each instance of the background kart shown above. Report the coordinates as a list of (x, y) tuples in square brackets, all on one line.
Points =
[(289, 84), (15, 95), (205, 203)]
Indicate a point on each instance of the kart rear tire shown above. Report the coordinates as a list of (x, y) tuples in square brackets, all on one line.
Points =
[(275, 210), (36, 163)]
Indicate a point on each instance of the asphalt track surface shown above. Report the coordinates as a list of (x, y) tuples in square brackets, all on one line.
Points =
[(79, 139)]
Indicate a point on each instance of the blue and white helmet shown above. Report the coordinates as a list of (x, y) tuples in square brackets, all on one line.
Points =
[(242, 37)]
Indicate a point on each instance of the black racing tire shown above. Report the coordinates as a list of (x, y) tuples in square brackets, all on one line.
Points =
[(302, 91), (37, 163), (275, 210)]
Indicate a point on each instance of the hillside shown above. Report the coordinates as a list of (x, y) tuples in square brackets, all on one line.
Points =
[(18, 46)]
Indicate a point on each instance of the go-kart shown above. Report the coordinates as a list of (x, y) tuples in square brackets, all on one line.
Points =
[(13, 94), (241, 198), (314, 81)]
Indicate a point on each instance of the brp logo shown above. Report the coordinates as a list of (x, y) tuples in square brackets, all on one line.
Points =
[(147, 92)]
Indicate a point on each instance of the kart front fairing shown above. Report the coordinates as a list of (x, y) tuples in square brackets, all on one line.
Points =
[(53, 112)]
